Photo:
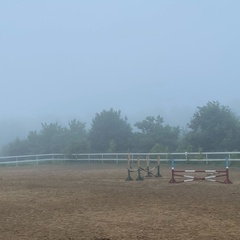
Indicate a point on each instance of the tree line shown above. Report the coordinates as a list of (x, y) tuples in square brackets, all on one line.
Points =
[(213, 127)]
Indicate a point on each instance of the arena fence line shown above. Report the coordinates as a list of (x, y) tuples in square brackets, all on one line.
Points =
[(187, 157)]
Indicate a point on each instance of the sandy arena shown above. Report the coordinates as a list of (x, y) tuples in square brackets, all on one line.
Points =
[(93, 201)]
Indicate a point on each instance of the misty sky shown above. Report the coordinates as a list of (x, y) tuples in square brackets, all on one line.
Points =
[(68, 59)]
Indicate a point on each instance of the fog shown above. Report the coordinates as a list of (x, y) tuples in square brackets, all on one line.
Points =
[(71, 59)]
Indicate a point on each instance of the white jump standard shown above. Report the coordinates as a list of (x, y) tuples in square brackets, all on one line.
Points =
[(212, 178)]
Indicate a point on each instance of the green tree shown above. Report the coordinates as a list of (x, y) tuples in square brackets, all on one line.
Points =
[(214, 128), (77, 138), (16, 147), (109, 131), (52, 138), (153, 131), (33, 142), (157, 148)]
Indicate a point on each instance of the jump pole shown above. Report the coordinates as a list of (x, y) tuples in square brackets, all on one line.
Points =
[(227, 180), (139, 169), (222, 173), (129, 171), (149, 174), (150, 171), (172, 180), (139, 177), (158, 168)]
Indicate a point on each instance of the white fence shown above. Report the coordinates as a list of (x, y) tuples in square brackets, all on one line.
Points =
[(119, 157)]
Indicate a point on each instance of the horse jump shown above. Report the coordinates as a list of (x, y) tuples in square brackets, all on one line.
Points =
[(212, 178), (149, 172)]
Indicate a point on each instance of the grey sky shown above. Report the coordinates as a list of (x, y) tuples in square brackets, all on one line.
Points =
[(71, 59)]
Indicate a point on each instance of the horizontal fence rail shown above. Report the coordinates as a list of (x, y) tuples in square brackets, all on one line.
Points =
[(120, 157)]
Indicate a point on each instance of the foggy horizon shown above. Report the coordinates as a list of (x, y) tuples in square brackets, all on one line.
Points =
[(62, 60)]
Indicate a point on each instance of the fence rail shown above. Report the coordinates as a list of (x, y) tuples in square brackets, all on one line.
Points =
[(118, 157)]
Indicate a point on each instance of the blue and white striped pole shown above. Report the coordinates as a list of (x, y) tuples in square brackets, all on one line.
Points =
[(227, 162), (172, 164)]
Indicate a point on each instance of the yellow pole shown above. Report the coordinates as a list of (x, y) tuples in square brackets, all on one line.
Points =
[(129, 171), (139, 178), (158, 171)]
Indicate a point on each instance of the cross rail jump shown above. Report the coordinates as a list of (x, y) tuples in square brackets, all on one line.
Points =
[(149, 172), (211, 178)]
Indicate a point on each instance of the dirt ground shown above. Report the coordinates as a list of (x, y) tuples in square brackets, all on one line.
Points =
[(93, 201)]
